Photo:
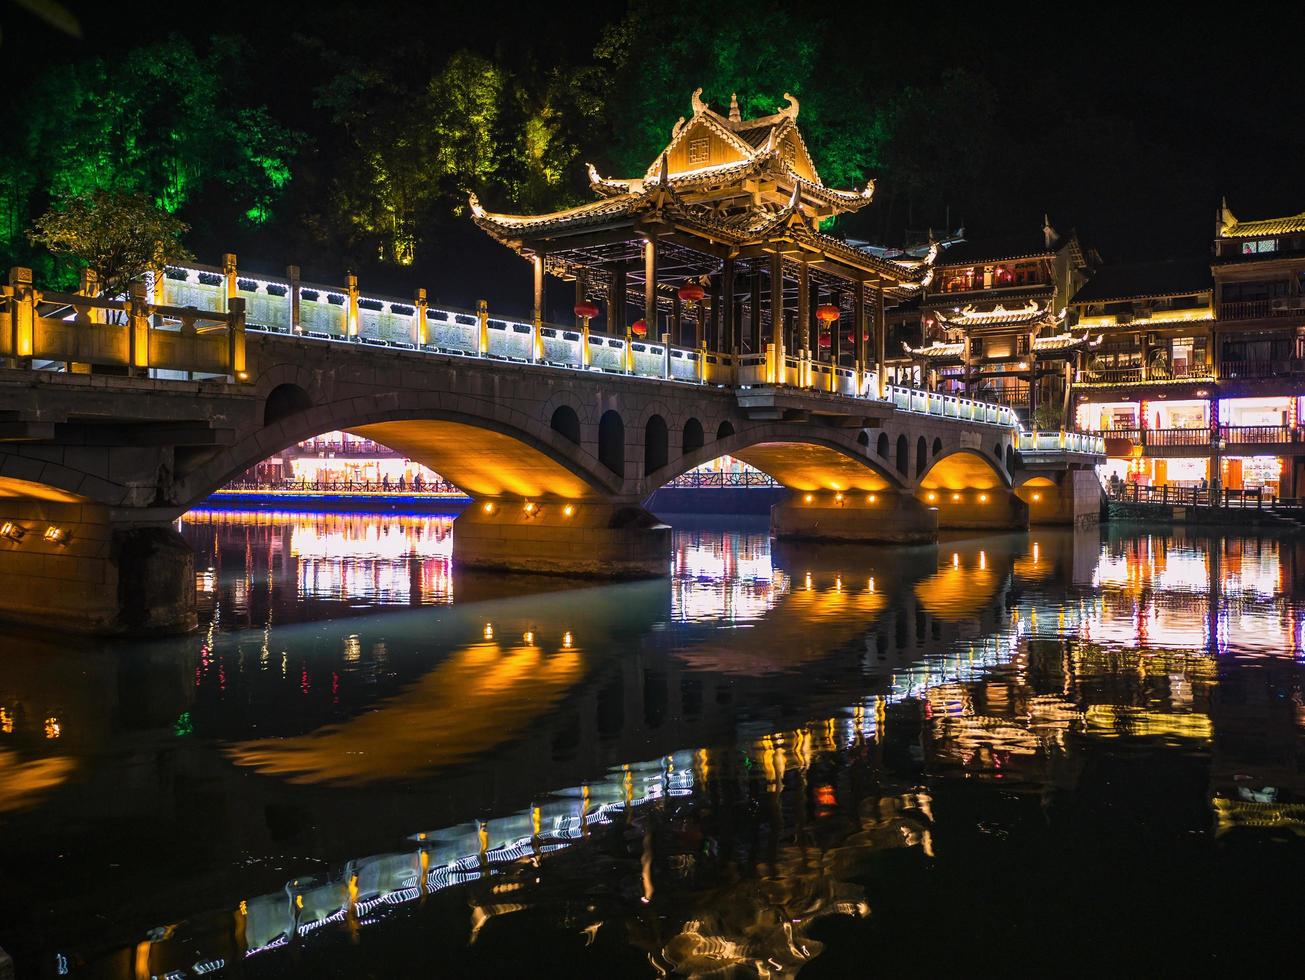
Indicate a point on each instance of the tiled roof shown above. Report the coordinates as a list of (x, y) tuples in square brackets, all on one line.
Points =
[(1062, 341), (1023, 246), (997, 316), (1138, 280), (1230, 227), (935, 351)]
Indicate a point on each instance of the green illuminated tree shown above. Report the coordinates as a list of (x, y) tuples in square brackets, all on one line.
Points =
[(119, 237)]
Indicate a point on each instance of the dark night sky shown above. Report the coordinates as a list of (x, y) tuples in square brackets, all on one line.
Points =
[(1131, 122)]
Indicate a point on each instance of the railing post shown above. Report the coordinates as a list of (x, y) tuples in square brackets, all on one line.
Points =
[(22, 307), (482, 330), (236, 340), (585, 357), (666, 356), (138, 329), (420, 324), (351, 307), (229, 274), (292, 294), (702, 362)]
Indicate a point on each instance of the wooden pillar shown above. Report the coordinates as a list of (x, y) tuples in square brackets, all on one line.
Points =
[(351, 306), (581, 296), (728, 311), (804, 307), (754, 280), (616, 301), (714, 325), (777, 315), (881, 341), (858, 330), (650, 285)]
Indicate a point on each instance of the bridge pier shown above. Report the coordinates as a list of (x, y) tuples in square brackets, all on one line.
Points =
[(978, 510), (585, 538), (1070, 497), (885, 517), (69, 566)]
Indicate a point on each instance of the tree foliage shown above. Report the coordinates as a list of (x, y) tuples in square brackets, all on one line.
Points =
[(117, 236)]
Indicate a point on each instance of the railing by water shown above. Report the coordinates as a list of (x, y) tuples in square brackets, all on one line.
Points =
[(1196, 496), (1061, 441), (723, 480), (347, 487)]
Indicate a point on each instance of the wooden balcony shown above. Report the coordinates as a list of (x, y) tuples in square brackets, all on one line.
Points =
[(1263, 309), (1289, 367)]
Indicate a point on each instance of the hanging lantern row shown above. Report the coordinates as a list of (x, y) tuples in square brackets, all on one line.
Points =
[(827, 313), (586, 310), (639, 328)]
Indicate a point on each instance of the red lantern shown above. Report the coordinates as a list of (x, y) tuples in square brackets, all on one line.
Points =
[(639, 328), (691, 292), (827, 313), (826, 340), (586, 310)]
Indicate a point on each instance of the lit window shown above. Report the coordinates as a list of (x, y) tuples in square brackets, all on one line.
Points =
[(1260, 246)]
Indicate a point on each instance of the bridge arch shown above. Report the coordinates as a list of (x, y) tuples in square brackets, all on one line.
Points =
[(882, 446), (566, 423), (486, 451), (921, 456), (964, 469), (801, 460), (611, 442), (656, 444), (692, 438), (903, 455), (284, 400)]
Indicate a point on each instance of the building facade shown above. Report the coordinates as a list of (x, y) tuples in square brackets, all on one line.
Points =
[(1200, 375)]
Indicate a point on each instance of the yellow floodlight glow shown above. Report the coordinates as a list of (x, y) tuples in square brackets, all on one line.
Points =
[(931, 496), (488, 506), (870, 498), (528, 638), (1037, 497), (56, 535), (983, 498), (489, 631), (568, 510), (956, 560), (956, 497), (568, 641), (808, 498)]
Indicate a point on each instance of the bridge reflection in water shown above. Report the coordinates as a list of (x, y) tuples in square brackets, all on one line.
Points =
[(702, 773)]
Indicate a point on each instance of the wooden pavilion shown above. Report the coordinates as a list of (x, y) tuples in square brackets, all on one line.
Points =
[(718, 245)]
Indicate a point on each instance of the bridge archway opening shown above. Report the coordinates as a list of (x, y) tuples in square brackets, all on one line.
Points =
[(1010, 459), (937, 446), (611, 442), (921, 456), (566, 423), (903, 455), (692, 439), (863, 438), (810, 467), (882, 446), (481, 461), (962, 470), (284, 401), (724, 430), (656, 444)]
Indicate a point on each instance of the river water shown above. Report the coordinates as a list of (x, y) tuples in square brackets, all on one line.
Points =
[(1042, 753)]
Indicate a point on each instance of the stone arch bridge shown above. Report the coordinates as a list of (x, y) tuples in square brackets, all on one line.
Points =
[(95, 467)]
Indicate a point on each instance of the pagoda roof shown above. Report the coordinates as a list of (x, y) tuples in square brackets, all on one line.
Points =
[(1045, 243), (1063, 342), (1231, 227), (997, 316), (1147, 280), (721, 185), (936, 351)]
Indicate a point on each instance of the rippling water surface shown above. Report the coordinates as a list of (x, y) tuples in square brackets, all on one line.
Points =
[(1043, 753)]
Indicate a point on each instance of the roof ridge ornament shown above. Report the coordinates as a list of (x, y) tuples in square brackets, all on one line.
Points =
[(1227, 220), (735, 116), (474, 202), (699, 107), (790, 110), (679, 125)]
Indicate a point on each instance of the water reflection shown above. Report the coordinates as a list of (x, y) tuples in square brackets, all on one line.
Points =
[(710, 773)]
